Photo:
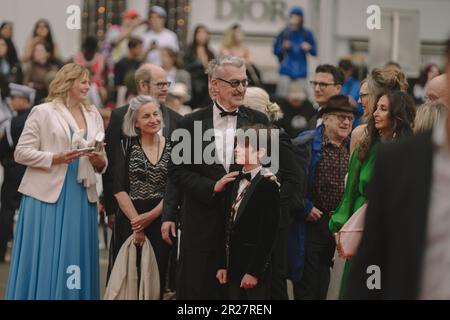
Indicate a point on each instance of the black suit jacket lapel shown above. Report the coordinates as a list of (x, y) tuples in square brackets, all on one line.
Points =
[(247, 196), (167, 121), (208, 122), (232, 196), (243, 117)]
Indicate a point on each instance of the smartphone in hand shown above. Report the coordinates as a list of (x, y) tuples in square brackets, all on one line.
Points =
[(90, 149)]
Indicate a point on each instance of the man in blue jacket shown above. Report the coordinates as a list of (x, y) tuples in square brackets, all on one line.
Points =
[(291, 47), (311, 246)]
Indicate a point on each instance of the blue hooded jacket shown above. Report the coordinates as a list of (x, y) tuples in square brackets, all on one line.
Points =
[(293, 61)]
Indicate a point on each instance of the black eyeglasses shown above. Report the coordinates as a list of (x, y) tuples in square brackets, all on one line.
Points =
[(235, 83), (322, 85), (343, 117), (161, 85)]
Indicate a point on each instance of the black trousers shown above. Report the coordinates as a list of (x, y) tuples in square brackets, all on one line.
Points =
[(9, 201), (260, 292), (316, 274), (197, 276), (278, 283), (161, 249), (172, 268)]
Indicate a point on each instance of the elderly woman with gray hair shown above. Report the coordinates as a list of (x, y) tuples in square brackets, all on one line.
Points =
[(141, 177)]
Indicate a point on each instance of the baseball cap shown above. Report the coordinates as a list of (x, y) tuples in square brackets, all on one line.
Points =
[(296, 10), (131, 14), (158, 10)]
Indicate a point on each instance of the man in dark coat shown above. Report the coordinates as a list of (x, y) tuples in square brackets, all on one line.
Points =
[(202, 179), (21, 100)]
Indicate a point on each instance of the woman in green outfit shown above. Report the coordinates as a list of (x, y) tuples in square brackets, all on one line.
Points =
[(392, 118)]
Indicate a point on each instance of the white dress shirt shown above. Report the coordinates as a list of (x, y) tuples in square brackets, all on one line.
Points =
[(224, 132), (435, 281)]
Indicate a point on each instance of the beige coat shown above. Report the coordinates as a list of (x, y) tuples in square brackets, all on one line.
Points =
[(122, 284), (46, 133)]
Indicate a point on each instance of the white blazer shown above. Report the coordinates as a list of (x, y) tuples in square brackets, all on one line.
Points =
[(46, 133)]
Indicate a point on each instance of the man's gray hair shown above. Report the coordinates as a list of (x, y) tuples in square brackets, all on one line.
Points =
[(143, 73), (215, 66), (129, 122)]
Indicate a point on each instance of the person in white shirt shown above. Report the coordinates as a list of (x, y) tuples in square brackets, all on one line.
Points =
[(158, 37)]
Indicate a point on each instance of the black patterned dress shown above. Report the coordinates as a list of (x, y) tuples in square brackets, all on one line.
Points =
[(145, 183)]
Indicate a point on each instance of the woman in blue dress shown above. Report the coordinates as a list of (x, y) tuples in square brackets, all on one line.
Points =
[(55, 252)]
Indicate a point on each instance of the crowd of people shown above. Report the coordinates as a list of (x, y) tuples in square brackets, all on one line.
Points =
[(230, 228)]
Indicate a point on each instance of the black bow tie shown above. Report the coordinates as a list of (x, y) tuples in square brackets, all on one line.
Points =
[(224, 113), (243, 175)]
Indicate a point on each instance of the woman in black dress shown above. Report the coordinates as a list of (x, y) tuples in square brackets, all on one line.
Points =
[(139, 184)]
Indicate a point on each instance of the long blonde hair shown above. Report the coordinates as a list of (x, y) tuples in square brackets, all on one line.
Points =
[(258, 99), (428, 114), (229, 37), (62, 83)]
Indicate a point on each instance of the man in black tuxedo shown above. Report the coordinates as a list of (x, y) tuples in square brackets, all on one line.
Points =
[(251, 213), (202, 182), (404, 252), (150, 80)]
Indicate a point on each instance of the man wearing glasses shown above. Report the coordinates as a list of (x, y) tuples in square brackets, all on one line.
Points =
[(202, 184), (327, 82), (329, 145)]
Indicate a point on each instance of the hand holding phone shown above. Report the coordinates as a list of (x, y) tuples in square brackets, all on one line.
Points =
[(89, 149)]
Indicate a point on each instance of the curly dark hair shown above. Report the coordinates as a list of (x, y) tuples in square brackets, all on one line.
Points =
[(402, 112)]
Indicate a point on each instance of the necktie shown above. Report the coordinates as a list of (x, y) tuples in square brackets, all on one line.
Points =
[(231, 217), (238, 200)]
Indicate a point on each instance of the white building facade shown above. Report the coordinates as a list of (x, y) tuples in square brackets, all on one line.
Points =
[(412, 30)]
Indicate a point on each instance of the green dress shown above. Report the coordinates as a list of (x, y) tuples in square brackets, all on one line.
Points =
[(359, 176)]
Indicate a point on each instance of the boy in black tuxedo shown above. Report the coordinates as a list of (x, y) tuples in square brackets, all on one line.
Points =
[(252, 211)]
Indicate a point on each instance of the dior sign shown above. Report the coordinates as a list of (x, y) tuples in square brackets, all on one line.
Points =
[(253, 10)]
